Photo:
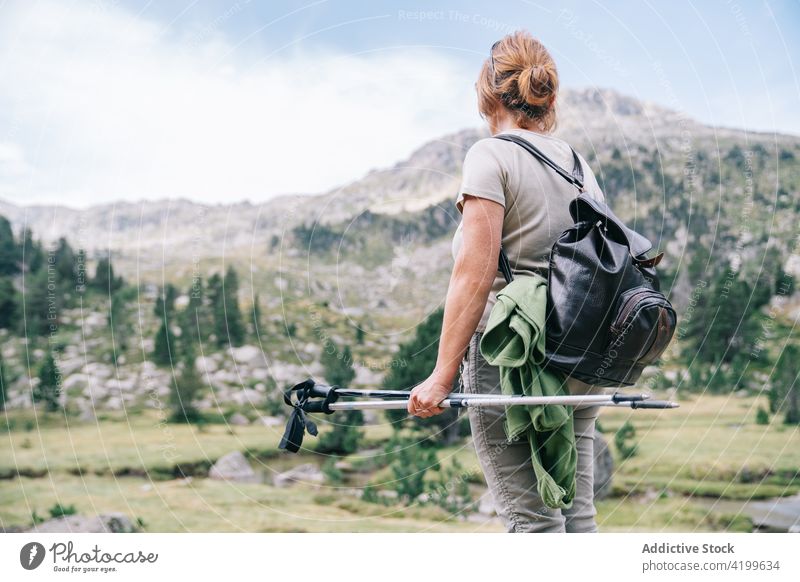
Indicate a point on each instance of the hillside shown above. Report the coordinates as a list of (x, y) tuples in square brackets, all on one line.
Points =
[(375, 253)]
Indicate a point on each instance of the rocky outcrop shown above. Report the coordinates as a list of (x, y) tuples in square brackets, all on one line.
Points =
[(308, 474), (233, 467), (104, 523)]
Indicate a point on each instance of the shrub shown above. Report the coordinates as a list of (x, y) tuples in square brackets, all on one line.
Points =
[(59, 510), (623, 439)]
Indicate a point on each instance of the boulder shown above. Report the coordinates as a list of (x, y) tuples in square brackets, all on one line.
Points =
[(603, 467), (248, 355), (104, 523), (233, 467), (206, 364), (87, 415), (114, 403), (98, 370), (238, 419), (224, 377), (75, 381), (69, 365), (307, 474), (486, 505), (249, 397), (270, 421), (367, 377)]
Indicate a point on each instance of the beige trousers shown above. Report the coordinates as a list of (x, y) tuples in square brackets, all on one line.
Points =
[(507, 465)]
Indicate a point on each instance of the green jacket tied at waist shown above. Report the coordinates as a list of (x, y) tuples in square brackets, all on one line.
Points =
[(514, 340)]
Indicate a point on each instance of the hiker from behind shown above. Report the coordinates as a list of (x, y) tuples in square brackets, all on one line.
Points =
[(507, 197)]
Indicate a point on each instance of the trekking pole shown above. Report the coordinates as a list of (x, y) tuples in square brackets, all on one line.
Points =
[(473, 401), (310, 397)]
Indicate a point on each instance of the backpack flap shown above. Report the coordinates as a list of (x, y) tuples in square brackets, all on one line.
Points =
[(583, 208)]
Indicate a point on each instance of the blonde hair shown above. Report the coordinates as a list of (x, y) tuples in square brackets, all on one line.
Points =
[(521, 76)]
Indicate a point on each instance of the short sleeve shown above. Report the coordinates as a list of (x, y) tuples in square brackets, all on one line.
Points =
[(483, 174)]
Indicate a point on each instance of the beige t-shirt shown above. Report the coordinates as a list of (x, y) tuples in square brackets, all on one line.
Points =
[(535, 198)]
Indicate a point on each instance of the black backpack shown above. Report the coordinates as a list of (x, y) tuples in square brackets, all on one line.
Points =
[(606, 318)]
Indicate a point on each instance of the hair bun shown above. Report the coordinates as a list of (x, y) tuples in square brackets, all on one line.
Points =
[(521, 76), (535, 85)]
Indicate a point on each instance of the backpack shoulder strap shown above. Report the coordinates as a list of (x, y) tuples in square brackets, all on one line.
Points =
[(575, 178)]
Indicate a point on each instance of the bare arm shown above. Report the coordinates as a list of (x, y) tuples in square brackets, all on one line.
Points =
[(470, 283)]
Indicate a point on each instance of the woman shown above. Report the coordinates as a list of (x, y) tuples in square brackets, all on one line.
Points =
[(508, 197)]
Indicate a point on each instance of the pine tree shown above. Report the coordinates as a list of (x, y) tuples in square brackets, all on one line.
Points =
[(216, 302), (8, 303), (338, 365), (32, 253), (233, 315), (415, 360), (65, 263), (165, 302), (345, 435), (256, 317), (9, 255), (104, 279), (165, 343), (42, 305), (186, 386), (49, 388), (194, 319), (118, 321), (80, 272), (784, 396), (3, 388)]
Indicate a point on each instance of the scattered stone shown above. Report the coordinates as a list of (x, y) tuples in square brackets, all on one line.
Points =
[(68, 366), (344, 466), (75, 381), (87, 415), (269, 421), (233, 467), (114, 403), (248, 355), (371, 417), (224, 377), (486, 505), (238, 419), (104, 523), (97, 370), (249, 397), (206, 364), (306, 474), (367, 377)]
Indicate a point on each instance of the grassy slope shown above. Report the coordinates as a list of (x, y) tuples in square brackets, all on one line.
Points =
[(708, 447)]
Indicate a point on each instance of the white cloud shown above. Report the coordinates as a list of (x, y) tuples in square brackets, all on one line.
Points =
[(102, 106)]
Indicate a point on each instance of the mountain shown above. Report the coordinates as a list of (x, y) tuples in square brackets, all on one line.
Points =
[(688, 186)]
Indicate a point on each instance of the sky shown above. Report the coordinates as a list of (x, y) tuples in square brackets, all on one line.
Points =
[(223, 101)]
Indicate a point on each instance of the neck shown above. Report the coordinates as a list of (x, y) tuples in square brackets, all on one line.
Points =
[(504, 123)]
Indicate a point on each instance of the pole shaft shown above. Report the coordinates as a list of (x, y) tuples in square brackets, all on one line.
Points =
[(469, 401)]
